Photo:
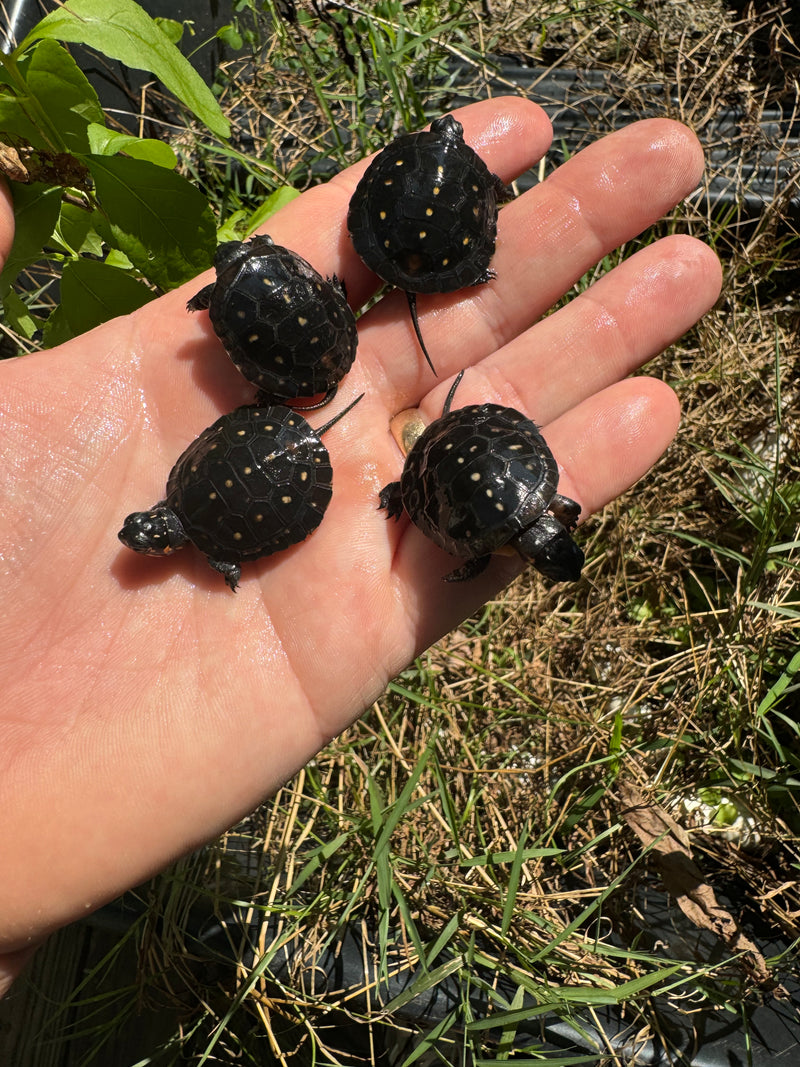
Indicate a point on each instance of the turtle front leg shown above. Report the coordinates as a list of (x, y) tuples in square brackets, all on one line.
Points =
[(201, 301), (391, 500), (231, 572), (487, 276), (565, 510)]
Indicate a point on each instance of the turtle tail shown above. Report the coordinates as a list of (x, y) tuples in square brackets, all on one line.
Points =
[(412, 307), (341, 415)]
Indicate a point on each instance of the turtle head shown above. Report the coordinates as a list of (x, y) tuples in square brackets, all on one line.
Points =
[(549, 547), (230, 253), (448, 128), (157, 532)]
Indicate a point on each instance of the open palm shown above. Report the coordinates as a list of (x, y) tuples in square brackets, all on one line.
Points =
[(144, 706)]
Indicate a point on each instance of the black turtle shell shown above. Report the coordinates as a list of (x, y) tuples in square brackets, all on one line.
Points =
[(424, 215), (255, 482), (476, 477), (288, 330)]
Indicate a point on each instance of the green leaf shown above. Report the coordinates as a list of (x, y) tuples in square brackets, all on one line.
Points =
[(66, 101), (16, 123), (121, 30), (230, 36), (105, 142), (18, 111), (423, 981), (18, 316), (36, 209), (74, 231), (234, 227), (171, 29), (92, 293), (157, 218), (513, 881)]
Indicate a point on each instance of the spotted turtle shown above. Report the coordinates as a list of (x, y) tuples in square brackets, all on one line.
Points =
[(255, 482), (289, 331), (482, 478), (424, 215)]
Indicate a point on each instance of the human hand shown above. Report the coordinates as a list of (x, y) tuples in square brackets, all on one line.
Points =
[(145, 708)]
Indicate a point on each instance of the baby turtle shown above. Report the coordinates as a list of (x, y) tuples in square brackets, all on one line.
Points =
[(255, 482), (424, 216), (289, 331), (482, 478)]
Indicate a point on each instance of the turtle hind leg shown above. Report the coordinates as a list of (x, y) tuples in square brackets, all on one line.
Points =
[(391, 500), (412, 307), (231, 572), (202, 300), (471, 569), (502, 192)]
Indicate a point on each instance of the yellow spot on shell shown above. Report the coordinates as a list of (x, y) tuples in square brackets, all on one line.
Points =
[(286, 500), (228, 483)]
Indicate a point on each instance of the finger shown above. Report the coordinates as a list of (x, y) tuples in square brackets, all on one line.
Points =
[(604, 334), (6, 221), (548, 239), (602, 446)]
